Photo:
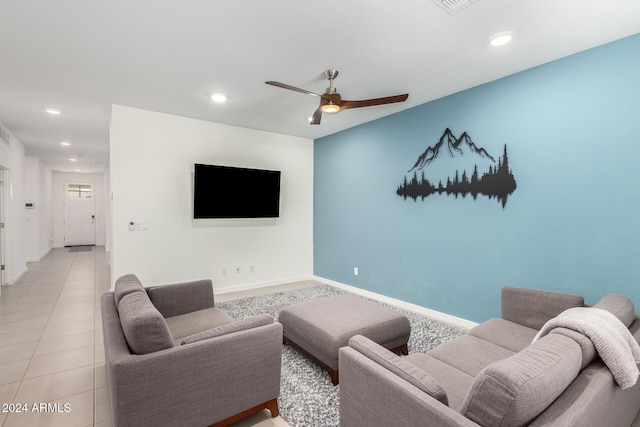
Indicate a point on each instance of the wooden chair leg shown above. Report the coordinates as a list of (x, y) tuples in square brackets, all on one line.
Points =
[(272, 406)]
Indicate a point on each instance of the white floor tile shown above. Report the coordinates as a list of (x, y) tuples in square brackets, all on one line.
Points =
[(56, 386), (72, 316), (13, 371), (26, 335), (61, 361), (70, 328), (7, 392), (64, 343), (17, 352), (17, 326)]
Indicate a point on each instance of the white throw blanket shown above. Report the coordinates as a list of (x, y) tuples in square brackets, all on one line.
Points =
[(612, 340)]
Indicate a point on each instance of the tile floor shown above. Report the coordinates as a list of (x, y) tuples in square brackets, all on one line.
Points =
[(51, 342), (51, 348)]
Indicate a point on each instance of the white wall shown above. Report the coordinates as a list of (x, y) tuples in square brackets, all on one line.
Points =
[(98, 182), (39, 223), (12, 161), (151, 166), (107, 210)]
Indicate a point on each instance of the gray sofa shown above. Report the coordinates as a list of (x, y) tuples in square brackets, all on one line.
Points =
[(494, 375), (175, 359)]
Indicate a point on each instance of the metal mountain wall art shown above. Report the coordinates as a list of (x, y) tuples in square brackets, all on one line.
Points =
[(455, 165)]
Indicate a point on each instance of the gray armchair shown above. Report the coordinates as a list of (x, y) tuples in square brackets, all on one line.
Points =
[(174, 359)]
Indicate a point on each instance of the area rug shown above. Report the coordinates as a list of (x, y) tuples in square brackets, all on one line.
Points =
[(80, 248), (307, 397)]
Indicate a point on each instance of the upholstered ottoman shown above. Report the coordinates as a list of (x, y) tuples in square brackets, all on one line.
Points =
[(320, 327)]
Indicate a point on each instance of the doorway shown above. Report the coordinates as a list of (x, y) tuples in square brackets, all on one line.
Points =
[(79, 214)]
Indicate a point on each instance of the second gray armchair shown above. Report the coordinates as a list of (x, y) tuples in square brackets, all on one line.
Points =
[(174, 359)]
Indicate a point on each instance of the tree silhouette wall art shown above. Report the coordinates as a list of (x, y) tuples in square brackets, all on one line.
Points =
[(496, 181)]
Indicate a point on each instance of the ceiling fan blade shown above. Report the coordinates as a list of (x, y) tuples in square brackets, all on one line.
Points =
[(296, 89), (317, 115), (372, 102)]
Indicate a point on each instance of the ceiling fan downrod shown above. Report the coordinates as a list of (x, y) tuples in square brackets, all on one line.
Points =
[(331, 74)]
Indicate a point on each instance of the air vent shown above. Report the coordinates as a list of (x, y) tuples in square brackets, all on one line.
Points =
[(4, 135), (454, 6)]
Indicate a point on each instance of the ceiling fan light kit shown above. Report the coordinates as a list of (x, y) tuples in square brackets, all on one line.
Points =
[(331, 102), (330, 108)]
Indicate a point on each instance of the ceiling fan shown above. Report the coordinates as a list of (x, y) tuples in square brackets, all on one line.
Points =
[(331, 102)]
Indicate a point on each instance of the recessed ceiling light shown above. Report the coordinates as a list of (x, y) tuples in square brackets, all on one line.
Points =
[(78, 170), (53, 111), (65, 143), (218, 97), (73, 159), (501, 39)]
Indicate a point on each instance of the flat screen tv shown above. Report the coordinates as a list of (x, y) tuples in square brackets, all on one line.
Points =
[(232, 192)]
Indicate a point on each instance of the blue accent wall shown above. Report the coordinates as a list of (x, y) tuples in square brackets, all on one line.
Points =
[(572, 128)]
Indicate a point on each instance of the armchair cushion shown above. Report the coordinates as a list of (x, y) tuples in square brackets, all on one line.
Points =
[(125, 285), (228, 328), (144, 327), (404, 369), (181, 298), (515, 390), (187, 324)]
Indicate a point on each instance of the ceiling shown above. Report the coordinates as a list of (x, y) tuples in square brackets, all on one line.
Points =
[(82, 56)]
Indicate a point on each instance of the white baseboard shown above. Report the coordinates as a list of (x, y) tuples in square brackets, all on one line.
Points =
[(423, 311), (427, 312), (17, 277), (38, 259), (251, 286)]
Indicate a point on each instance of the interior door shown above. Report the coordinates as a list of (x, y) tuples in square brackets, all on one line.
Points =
[(79, 214)]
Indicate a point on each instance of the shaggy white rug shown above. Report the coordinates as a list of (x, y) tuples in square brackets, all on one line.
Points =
[(307, 397)]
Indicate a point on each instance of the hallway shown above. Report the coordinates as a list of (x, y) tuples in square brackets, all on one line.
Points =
[(51, 342)]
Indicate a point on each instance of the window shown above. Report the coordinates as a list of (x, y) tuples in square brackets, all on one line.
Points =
[(79, 191)]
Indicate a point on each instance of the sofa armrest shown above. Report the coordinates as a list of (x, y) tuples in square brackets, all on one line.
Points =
[(399, 366), (372, 395), (533, 307), (180, 298), (195, 384)]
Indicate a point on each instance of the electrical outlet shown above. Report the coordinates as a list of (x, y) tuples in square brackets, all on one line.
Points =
[(252, 269), (237, 269), (355, 271)]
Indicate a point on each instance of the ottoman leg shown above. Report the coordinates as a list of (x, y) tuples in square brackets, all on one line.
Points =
[(334, 376), (333, 373), (404, 349)]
